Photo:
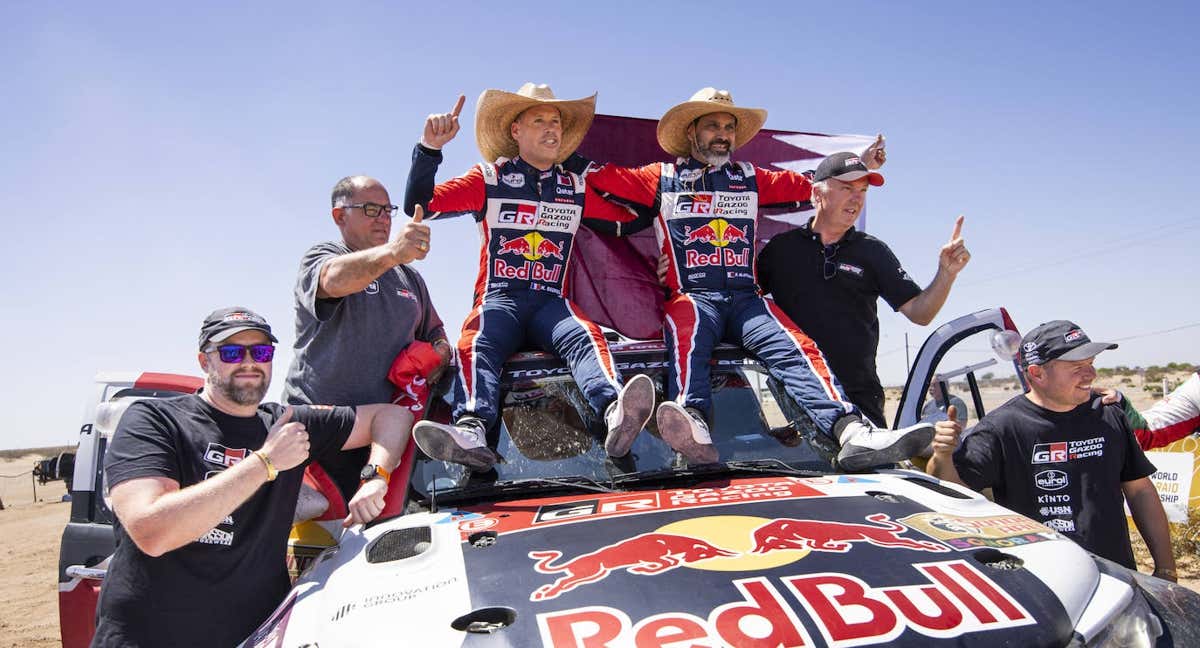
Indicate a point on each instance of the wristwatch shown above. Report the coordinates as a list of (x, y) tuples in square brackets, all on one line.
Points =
[(371, 471)]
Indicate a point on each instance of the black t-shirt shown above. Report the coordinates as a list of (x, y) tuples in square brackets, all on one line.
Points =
[(1064, 469), (839, 313), (216, 590)]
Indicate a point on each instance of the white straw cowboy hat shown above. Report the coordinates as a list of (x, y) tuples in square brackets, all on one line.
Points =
[(672, 128), (497, 110)]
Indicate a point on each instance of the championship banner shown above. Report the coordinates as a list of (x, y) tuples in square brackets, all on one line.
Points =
[(613, 279)]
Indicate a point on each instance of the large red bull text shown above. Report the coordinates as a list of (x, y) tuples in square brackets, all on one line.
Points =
[(529, 271), (720, 256), (953, 598)]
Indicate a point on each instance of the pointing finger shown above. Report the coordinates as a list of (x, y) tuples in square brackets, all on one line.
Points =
[(458, 106), (958, 223)]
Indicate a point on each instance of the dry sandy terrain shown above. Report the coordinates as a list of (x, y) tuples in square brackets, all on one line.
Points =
[(30, 533), (29, 536)]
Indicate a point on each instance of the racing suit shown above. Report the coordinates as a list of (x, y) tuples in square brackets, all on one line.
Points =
[(527, 222), (705, 226), (1170, 419)]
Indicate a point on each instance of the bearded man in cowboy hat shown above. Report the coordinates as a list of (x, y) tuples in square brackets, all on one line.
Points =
[(707, 208), (528, 208)]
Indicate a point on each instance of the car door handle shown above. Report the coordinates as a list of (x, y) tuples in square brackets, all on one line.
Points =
[(86, 573)]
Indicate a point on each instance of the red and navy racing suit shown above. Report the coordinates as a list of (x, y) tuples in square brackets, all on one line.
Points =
[(1174, 417), (527, 222), (705, 227)]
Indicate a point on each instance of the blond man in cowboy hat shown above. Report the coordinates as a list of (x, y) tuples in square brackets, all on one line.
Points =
[(707, 212), (528, 208)]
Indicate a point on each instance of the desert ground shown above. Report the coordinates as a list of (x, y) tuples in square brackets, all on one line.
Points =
[(30, 531)]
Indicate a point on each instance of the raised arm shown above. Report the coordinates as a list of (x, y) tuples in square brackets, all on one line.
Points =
[(349, 273), (951, 260)]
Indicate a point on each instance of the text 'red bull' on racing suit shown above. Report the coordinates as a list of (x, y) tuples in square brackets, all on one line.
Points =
[(1174, 417), (527, 223), (705, 226)]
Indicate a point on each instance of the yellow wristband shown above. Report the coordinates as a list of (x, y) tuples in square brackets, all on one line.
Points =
[(271, 472)]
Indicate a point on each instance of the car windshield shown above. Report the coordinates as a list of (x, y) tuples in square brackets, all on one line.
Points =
[(550, 439)]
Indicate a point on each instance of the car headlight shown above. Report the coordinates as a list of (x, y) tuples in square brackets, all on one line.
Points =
[(1136, 626)]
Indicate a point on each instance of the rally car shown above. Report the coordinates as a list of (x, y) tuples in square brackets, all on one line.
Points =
[(771, 546)]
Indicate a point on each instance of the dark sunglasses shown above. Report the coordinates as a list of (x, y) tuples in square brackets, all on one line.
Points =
[(829, 252), (371, 210), (234, 353)]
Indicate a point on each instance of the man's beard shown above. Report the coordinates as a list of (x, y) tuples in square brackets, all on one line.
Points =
[(706, 154), (242, 394)]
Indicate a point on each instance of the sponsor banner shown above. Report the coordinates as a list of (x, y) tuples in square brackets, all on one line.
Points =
[(1173, 479), (963, 532), (508, 517)]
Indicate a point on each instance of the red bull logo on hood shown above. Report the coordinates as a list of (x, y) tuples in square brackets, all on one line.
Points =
[(718, 232), (720, 543), (944, 600)]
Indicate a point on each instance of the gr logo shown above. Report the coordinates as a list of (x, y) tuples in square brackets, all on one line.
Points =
[(517, 214), (1049, 453), (1051, 480)]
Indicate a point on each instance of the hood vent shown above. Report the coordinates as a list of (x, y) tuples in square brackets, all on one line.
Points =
[(399, 544)]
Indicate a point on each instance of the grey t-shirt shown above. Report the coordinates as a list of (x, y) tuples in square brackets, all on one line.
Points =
[(345, 346)]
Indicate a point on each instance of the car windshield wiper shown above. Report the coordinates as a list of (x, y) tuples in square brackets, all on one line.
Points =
[(773, 467), (767, 466), (573, 481)]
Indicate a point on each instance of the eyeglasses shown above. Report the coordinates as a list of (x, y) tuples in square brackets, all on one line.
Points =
[(829, 252), (234, 353), (372, 210)]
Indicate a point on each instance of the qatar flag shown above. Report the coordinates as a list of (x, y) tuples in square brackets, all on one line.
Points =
[(613, 278)]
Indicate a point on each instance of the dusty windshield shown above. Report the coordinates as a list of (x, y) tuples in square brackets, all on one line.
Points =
[(549, 432)]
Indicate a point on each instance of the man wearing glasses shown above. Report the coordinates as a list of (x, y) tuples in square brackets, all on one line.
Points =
[(358, 304), (204, 486), (828, 276)]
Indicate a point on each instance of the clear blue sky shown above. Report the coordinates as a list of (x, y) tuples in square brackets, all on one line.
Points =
[(160, 161)]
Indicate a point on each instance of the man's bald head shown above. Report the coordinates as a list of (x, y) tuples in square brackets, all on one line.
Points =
[(344, 190)]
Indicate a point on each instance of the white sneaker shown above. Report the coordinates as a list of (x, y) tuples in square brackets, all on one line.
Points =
[(865, 446), (686, 433), (628, 415), (464, 444)]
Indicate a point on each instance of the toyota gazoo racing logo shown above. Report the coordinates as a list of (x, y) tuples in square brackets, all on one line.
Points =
[(1073, 335), (764, 611), (701, 204), (222, 456), (517, 214), (1051, 480), (1049, 453)]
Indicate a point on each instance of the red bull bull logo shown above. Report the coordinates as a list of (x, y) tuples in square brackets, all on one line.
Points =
[(532, 246), (649, 553), (825, 535), (718, 232)]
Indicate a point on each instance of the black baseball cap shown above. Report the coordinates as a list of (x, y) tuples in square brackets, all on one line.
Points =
[(847, 167), (224, 322), (1059, 340)]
